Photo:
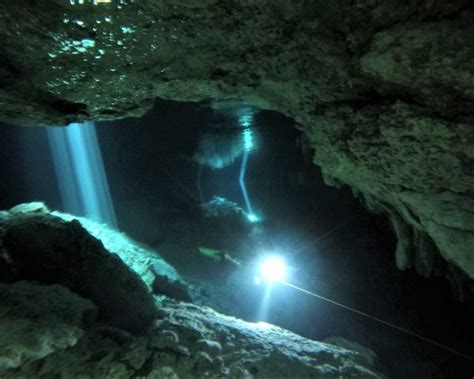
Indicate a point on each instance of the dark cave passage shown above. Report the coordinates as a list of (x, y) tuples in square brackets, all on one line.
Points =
[(331, 243)]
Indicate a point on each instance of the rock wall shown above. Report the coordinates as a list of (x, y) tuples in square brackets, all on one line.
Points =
[(383, 90)]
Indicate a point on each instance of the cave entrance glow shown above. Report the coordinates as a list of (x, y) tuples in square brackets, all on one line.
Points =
[(80, 172)]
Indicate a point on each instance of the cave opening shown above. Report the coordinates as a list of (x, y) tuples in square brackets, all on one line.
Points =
[(213, 187)]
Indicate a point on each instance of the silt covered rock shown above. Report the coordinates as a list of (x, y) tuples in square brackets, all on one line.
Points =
[(47, 249), (37, 320)]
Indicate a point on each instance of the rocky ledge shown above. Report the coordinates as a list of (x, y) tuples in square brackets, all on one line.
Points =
[(97, 317)]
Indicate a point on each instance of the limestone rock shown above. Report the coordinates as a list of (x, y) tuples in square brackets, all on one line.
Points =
[(37, 320), (416, 165), (147, 264), (196, 342), (34, 207), (174, 289), (365, 353), (44, 248), (111, 60)]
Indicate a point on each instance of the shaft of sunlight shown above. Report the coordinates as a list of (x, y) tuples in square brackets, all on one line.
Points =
[(80, 172)]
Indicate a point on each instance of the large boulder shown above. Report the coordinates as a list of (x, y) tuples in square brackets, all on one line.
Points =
[(383, 90), (47, 249), (147, 263), (37, 320)]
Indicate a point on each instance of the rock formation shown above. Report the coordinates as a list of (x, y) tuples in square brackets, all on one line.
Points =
[(38, 320), (49, 330), (44, 248)]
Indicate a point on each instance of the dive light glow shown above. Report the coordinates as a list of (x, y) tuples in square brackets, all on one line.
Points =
[(251, 217), (273, 269)]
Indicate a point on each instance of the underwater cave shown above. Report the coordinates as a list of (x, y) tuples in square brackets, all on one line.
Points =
[(236, 189)]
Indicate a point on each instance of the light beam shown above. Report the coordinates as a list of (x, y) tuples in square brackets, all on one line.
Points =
[(248, 142), (243, 187), (80, 172)]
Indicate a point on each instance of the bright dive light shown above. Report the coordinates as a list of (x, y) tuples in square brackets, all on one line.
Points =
[(252, 217), (273, 269)]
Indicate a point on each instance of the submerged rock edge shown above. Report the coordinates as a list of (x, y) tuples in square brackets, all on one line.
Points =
[(186, 340)]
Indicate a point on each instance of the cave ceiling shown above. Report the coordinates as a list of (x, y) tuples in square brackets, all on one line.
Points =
[(383, 90)]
